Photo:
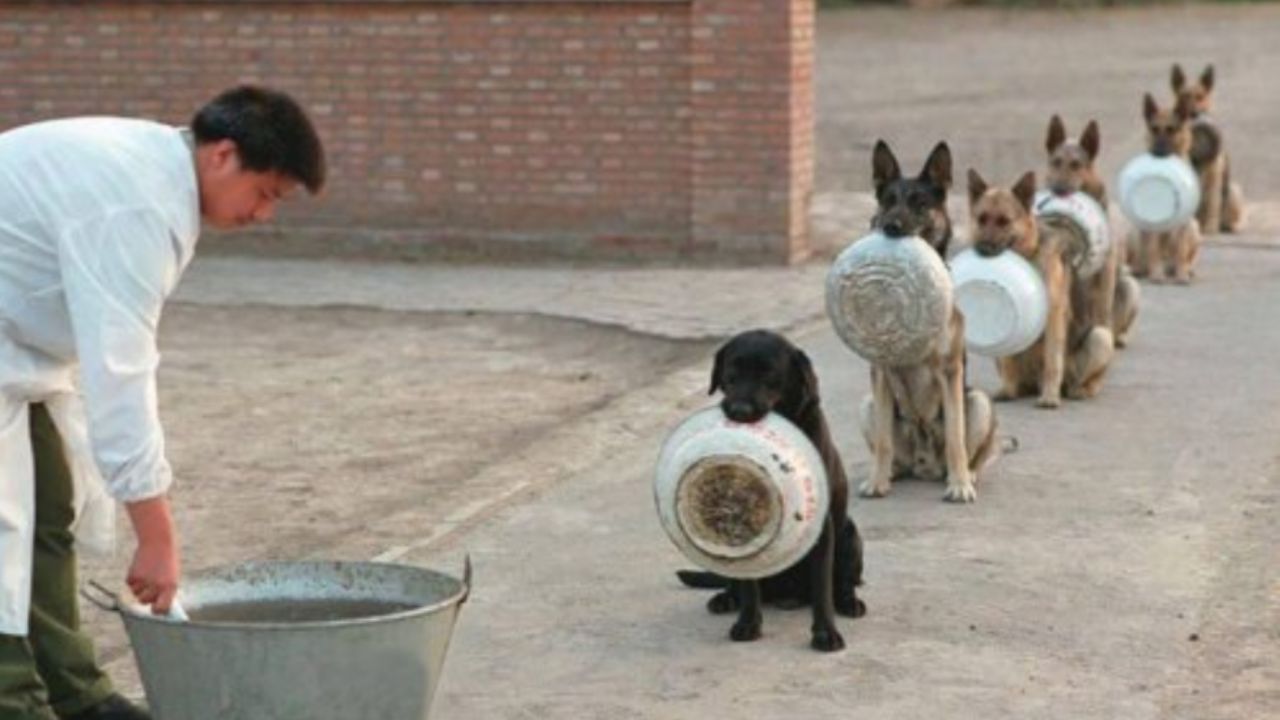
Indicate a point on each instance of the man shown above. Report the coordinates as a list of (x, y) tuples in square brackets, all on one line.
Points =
[(98, 219)]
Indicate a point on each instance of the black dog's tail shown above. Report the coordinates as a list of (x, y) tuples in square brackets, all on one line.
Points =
[(702, 580)]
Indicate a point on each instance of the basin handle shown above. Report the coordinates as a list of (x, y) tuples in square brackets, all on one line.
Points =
[(466, 579), (104, 598)]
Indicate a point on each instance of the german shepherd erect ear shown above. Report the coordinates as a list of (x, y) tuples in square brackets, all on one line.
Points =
[(1206, 79), (1025, 190), (884, 166), (977, 186), (1177, 79), (1091, 139), (937, 169), (1056, 135), (1149, 107)]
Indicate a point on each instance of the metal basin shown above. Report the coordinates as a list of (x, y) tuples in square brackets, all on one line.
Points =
[(264, 660)]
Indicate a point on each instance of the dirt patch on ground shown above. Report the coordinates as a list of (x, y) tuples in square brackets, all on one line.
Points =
[(294, 432)]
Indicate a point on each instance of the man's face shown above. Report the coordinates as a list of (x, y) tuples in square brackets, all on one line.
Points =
[(231, 196)]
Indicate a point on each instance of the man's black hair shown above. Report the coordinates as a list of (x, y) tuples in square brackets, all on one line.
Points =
[(270, 130)]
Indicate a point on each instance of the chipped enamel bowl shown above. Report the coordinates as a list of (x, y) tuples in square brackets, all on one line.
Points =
[(741, 500), (1089, 218), (889, 299)]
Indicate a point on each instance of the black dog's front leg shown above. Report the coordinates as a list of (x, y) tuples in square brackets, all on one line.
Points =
[(848, 574), (826, 637), (750, 618)]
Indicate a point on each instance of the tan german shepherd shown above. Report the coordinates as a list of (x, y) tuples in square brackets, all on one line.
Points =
[(1221, 200), (1073, 354)]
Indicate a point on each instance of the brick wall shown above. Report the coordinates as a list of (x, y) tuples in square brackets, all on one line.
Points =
[(604, 129)]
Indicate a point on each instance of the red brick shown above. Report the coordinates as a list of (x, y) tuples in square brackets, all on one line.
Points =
[(638, 128)]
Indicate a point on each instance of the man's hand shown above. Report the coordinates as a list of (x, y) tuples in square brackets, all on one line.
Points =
[(153, 576)]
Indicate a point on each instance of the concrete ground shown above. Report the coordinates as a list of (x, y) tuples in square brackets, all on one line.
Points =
[(1122, 564), (987, 81)]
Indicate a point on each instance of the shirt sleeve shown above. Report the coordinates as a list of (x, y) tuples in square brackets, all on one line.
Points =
[(116, 271)]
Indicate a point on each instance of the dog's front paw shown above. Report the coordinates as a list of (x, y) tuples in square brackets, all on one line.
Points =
[(850, 607), (1005, 395), (723, 603), (872, 489), (745, 631), (827, 640), (960, 492), (1048, 402), (1181, 279)]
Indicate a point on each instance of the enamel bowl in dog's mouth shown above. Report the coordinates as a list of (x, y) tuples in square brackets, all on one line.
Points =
[(1086, 216), (1158, 194), (741, 500), (1003, 300), (889, 299)]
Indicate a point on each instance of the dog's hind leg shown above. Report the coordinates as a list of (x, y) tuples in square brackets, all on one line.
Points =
[(750, 617), (1232, 202), (1102, 289), (1186, 248), (825, 636), (1089, 364), (1211, 193), (1125, 311), (877, 428), (1233, 213), (980, 430)]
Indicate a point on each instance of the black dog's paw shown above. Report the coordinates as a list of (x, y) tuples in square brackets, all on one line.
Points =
[(723, 603), (828, 640), (745, 631), (851, 607)]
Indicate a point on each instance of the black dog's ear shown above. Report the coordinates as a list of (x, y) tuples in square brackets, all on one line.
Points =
[(937, 169), (1206, 78), (1149, 107), (716, 369), (884, 166), (1177, 79), (806, 392)]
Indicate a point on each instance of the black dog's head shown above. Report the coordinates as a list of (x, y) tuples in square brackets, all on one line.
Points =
[(761, 371), (913, 206)]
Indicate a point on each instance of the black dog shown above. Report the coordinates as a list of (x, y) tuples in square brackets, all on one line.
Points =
[(759, 372)]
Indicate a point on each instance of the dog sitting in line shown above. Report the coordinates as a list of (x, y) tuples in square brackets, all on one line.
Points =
[(1072, 355), (761, 372), (1172, 252), (1221, 200), (923, 420), (1112, 295)]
